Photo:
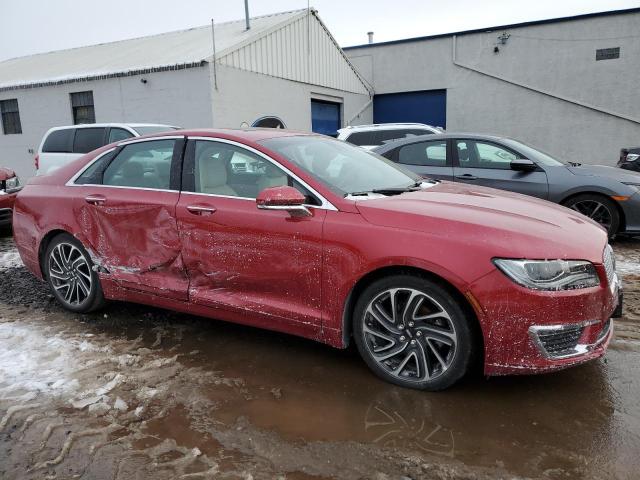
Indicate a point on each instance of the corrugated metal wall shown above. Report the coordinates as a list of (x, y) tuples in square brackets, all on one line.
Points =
[(302, 50)]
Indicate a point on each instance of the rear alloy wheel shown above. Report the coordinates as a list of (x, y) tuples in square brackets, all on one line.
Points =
[(412, 332), (598, 208), (70, 274)]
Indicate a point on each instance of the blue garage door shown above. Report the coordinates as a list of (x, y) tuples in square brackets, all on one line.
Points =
[(325, 117), (428, 106)]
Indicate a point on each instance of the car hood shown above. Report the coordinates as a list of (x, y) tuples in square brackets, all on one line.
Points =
[(6, 173), (617, 174), (500, 223)]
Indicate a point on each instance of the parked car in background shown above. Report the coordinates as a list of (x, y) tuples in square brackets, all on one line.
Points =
[(328, 241), (61, 145), (630, 159), (9, 187), (604, 194), (370, 136)]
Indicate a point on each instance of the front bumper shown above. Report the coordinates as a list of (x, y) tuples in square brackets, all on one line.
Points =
[(529, 331), (631, 210)]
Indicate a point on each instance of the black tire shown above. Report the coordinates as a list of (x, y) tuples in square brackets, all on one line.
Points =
[(413, 295), (607, 213), (83, 293)]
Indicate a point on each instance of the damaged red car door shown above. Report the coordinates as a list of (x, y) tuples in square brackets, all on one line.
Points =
[(240, 258), (127, 215)]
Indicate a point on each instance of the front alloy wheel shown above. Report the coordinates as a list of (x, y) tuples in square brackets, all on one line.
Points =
[(411, 332), (70, 275), (598, 208)]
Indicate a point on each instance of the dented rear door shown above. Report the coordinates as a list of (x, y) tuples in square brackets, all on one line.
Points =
[(127, 213)]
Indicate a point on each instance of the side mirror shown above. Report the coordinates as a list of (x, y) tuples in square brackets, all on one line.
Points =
[(283, 198), (523, 165)]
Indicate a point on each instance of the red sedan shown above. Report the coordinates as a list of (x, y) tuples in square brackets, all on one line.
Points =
[(9, 188), (312, 236)]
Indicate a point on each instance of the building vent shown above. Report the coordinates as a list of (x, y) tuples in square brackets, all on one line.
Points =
[(607, 53)]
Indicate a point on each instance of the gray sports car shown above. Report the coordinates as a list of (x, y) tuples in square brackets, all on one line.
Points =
[(607, 195)]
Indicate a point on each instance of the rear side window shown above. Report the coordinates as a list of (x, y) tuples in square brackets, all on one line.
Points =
[(59, 141), (142, 165), (433, 154), (362, 138), (88, 139)]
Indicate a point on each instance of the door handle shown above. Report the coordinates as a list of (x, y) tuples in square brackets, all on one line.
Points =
[(95, 199), (201, 209), (467, 176)]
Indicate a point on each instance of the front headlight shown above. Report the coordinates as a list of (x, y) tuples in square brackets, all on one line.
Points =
[(632, 157), (12, 185), (549, 274)]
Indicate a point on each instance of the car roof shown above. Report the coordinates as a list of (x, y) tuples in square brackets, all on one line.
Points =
[(385, 126), (251, 134), (103, 125), (442, 136)]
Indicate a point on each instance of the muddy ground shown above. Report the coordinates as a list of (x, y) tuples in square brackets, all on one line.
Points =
[(133, 392)]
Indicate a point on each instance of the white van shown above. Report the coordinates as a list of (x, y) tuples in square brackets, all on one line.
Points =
[(371, 136), (62, 145)]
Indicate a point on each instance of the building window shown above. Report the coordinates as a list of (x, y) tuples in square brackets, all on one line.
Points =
[(608, 53), (82, 107), (269, 122), (10, 116)]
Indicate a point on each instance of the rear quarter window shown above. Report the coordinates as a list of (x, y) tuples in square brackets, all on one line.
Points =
[(59, 141), (362, 138), (385, 136)]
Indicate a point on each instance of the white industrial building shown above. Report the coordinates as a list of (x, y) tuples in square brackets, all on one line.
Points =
[(286, 65), (567, 85)]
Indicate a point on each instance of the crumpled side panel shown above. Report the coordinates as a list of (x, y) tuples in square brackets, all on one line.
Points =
[(136, 241)]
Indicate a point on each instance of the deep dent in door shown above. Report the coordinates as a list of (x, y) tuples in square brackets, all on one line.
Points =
[(157, 249)]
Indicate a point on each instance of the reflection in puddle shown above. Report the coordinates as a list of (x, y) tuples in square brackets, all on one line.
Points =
[(391, 429)]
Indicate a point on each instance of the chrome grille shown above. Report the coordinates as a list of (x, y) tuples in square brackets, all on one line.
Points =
[(609, 262)]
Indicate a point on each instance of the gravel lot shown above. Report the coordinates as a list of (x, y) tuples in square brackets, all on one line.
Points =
[(135, 392)]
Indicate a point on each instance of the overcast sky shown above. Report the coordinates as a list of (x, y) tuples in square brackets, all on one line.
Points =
[(33, 26)]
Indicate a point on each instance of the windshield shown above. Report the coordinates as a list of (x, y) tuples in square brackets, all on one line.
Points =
[(344, 168), (535, 154), (154, 129)]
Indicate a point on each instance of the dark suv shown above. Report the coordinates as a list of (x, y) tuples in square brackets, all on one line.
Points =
[(630, 159)]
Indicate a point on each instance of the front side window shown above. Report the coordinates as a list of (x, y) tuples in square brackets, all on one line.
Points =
[(10, 116), (88, 139), (142, 165), (341, 167), (477, 154), (118, 134), (223, 169), (82, 107), (432, 154)]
